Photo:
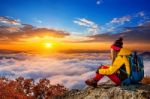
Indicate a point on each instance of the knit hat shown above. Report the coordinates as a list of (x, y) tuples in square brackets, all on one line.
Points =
[(118, 44)]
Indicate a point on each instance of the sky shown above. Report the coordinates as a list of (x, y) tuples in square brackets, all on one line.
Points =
[(73, 24)]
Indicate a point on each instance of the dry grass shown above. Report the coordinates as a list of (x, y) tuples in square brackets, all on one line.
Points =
[(146, 80)]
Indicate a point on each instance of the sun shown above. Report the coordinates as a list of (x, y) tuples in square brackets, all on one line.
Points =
[(48, 45)]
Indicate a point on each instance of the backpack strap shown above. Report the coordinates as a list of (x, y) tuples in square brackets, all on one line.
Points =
[(125, 72)]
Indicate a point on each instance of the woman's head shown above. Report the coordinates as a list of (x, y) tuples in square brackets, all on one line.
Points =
[(115, 48)]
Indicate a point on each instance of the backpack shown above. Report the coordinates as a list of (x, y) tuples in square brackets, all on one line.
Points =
[(137, 69)]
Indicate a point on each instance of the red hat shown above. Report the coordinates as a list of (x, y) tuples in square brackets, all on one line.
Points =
[(118, 44)]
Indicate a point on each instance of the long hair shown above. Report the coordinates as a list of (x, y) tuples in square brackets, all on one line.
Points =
[(113, 55)]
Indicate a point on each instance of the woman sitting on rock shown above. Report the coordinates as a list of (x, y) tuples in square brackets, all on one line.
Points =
[(119, 61)]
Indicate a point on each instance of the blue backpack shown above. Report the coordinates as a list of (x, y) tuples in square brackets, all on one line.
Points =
[(137, 69)]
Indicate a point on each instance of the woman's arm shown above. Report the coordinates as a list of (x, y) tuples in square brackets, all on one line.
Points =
[(112, 69)]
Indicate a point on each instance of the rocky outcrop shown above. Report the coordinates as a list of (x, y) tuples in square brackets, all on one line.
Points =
[(109, 91)]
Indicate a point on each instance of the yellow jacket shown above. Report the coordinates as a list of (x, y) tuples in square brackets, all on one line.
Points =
[(118, 62)]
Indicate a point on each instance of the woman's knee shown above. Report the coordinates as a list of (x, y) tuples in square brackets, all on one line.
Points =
[(104, 67)]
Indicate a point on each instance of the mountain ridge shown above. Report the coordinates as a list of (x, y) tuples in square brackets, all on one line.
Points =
[(110, 91)]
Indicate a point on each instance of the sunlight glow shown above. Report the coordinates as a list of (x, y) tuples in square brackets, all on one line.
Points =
[(48, 45)]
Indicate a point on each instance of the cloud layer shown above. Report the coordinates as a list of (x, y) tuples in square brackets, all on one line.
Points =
[(70, 70), (11, 29), (138, 34)]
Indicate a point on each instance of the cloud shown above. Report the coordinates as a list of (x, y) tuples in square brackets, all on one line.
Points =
[(121, 20), (91, 26), (141, 14), (6, 20), (132, 35), (117, 27), (116, 24), (138, 33), (144, 17), (38, 21), (146, 68), (29, 30), (14, 30), (84, 22), (70, 70), (8, 29), (76, 38), (98, 2)]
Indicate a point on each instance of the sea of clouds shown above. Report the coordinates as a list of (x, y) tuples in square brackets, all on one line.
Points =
[(71, 70)]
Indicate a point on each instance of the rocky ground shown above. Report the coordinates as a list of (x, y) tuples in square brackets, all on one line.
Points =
[(110, 91)]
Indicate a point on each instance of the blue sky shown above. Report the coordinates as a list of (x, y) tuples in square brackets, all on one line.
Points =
[(83, 17)]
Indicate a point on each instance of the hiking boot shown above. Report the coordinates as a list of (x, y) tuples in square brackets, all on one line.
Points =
[(91, 82)]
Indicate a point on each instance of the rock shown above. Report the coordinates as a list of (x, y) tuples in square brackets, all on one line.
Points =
[(110, 91)]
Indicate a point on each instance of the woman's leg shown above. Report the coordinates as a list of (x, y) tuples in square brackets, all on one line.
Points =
[(98, 76), (113, 77), (93, 81)]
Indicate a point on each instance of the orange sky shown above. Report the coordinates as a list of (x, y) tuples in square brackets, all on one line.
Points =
[(58, 44), (26, 37), (55, 46)]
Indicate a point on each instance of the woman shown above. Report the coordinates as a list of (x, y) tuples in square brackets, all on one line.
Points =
[(119, 62)]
